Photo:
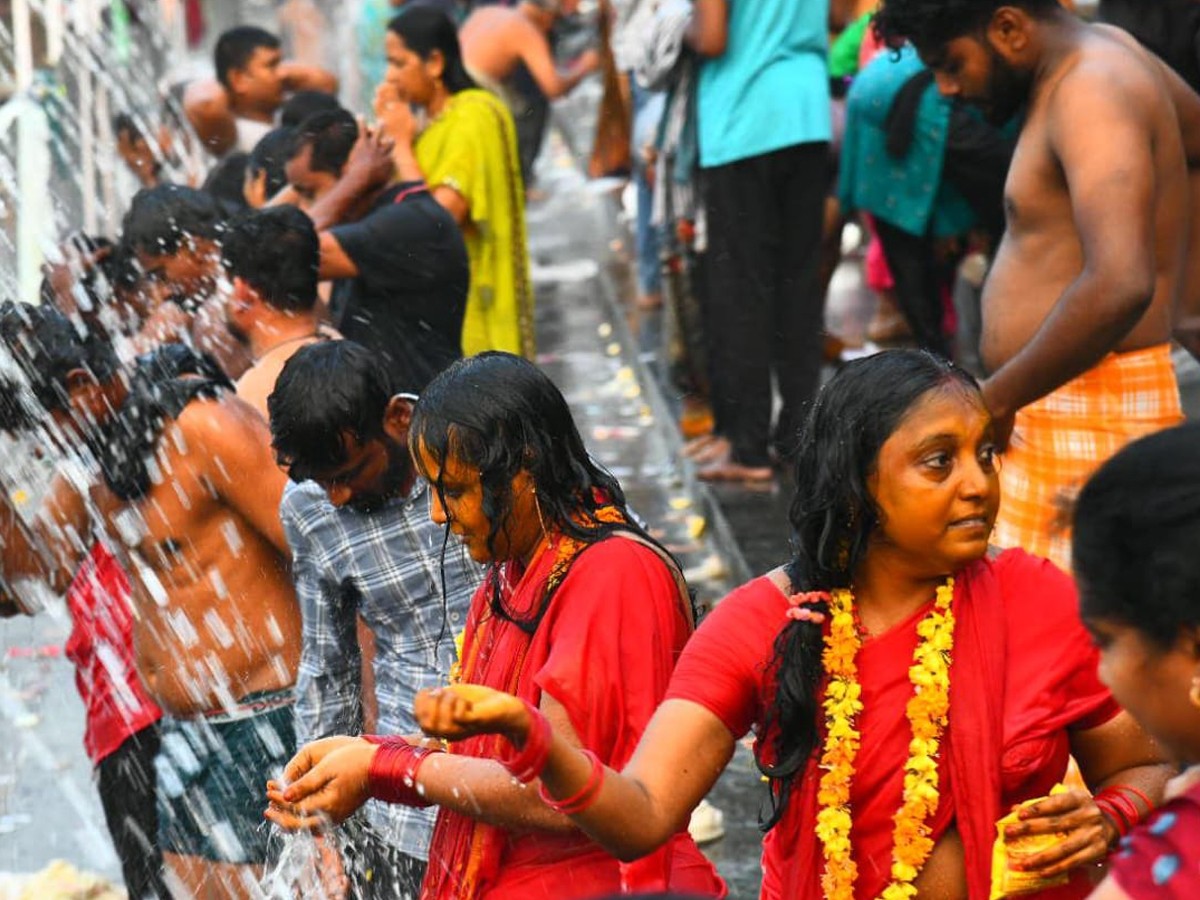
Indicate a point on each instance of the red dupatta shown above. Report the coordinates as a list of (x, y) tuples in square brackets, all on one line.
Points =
[(464, 852), (970, 767)]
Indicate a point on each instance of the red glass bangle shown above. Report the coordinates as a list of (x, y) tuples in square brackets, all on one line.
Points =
[(585, 796), (1115, 802), (392, 776), (531, 758), (1130, 789), (1118, 819), (1123, 804)]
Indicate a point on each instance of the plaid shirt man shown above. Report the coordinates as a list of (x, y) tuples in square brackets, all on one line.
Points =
[(383, 565)]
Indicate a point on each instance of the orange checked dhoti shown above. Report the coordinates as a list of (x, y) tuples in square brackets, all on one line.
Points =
[(1060, 440)]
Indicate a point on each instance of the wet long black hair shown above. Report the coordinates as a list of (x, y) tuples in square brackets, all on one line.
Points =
[(500, 414), (425, 29), (833, 518)]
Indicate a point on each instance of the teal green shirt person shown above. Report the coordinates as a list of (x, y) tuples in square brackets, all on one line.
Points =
[(770, 88), (909, 192)]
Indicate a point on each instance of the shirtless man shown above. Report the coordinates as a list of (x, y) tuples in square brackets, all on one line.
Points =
[(497, 39), (1079, 306), (188, 493), (272, 257), (507, 50), (238, 108)]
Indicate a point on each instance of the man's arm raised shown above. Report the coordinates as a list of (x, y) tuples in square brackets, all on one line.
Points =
[(1111, 184), (206, 105), (300, 77), (535, 53), (368, 168)]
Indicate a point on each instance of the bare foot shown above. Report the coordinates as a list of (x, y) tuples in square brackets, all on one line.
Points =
[(832, 349), (728, 470), (725, 468), (889, 325), (699, 444), (713, 451)]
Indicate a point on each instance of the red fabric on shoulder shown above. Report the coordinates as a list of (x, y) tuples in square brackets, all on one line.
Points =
[(724, 666), (1052, 668), (617, 621)]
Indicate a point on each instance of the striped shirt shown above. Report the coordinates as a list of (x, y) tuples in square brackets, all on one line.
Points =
[(385, 566)]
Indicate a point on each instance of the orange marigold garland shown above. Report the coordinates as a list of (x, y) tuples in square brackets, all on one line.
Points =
[(927, 712)]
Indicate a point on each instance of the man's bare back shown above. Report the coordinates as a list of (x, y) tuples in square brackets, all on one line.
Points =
[(496, 39), (1099, 158), (211, 586), (492, 39), (214, 607)]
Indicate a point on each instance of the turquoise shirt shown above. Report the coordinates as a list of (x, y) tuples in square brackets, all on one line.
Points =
[(770, 88), (370, 31), (908, 193)]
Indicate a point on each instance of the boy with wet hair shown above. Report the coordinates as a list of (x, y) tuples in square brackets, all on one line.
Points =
[(175, 234), (397, 258)]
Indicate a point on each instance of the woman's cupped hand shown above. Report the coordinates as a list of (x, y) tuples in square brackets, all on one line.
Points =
[(464, 710), (323, 784)]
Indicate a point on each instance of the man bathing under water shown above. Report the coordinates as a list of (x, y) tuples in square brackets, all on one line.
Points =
[(1078, 308), (189, 493)]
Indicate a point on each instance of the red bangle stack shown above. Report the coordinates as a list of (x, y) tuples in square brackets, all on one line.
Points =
[(531, 759), (1116, 803), (393, 773), (585, 796)]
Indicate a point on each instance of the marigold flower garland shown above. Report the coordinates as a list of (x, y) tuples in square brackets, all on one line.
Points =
[(926, 711)]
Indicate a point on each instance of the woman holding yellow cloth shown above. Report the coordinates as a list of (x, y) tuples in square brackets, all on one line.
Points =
[(467, 155)]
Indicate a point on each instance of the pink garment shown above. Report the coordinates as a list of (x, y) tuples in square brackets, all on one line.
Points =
[(879, 276)]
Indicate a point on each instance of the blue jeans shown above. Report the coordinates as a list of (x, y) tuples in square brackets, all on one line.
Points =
[(647, 111)]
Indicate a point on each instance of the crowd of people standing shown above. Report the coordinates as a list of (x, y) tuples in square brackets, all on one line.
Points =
[(335, 549)]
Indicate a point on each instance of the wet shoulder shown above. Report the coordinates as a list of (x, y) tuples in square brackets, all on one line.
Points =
[(219, 434), (219, 418)]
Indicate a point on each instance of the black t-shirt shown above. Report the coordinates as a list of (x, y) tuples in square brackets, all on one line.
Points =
[(408, 300)]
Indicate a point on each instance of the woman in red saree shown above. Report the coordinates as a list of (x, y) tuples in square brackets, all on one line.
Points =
[(906, 686), (580, 614), (1137, 527)]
